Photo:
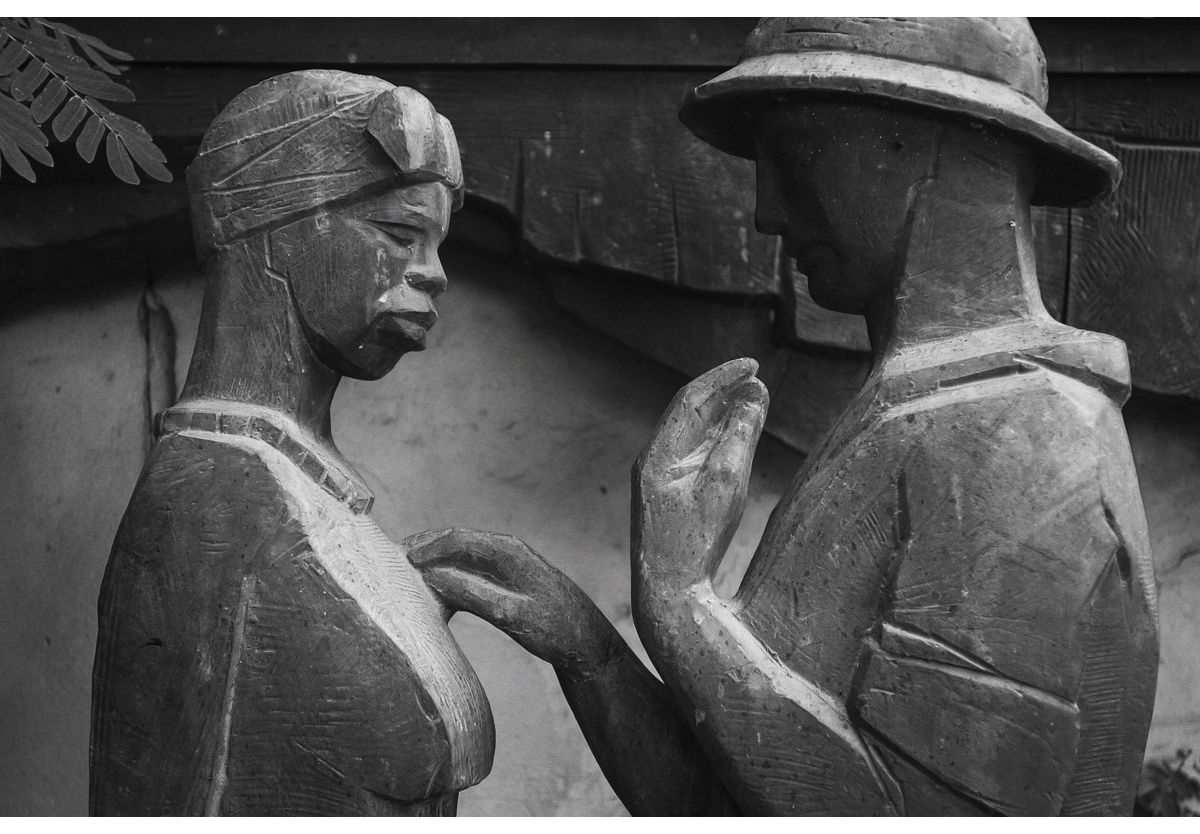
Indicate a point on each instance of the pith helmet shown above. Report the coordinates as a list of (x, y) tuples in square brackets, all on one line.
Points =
[(988, 69)]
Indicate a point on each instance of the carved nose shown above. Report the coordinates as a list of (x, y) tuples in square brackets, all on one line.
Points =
[(431, 281)]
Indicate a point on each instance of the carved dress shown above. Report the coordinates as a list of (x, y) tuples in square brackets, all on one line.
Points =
[(952, 610), (264, 648)]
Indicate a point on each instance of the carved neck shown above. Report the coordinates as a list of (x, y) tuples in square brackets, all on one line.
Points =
[(250, 346), (969, 262)]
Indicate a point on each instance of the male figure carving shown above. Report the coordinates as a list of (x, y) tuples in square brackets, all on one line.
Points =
[(264, 648), (952, 608)]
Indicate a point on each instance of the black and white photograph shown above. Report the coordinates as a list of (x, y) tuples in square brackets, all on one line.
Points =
[(600, 416)]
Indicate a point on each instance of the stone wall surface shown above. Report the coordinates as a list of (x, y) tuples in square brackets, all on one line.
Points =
[(71, 388)]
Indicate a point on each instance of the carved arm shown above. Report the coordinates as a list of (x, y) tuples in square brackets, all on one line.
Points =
[(643, 746), (781, 744)]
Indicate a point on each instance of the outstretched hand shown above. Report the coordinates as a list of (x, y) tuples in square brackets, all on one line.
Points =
[(645, 749), (498, 578), (690, 483)]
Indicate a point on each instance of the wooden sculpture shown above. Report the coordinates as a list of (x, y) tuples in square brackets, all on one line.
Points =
[(263, 647), (952, 608)]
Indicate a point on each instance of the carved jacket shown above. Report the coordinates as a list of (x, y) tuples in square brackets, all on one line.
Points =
[(952, 610), (264, 648)]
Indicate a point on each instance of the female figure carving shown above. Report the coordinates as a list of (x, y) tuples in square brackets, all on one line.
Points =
[(264, 648)]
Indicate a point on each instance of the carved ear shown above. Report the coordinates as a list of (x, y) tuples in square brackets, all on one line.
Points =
[(419, 141)]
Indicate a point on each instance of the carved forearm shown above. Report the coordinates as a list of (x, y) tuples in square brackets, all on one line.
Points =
[(789, 743), (643, 745)]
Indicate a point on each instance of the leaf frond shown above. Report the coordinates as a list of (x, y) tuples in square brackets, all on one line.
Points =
[(59, 70)]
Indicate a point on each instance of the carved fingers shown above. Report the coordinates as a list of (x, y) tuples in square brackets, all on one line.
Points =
[(690, 417), (690, 483), (498, 578)]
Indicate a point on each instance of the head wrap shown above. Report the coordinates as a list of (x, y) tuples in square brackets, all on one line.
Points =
[(297, 141)]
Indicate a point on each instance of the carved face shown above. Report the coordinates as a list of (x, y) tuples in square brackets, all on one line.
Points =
[(836, 181), (364, 276)]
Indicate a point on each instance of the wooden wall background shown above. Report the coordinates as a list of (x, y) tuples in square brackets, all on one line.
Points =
[(578, 172), (574, 158)]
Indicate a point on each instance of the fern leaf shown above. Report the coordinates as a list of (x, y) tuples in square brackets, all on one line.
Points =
[(118, 159), (41, 43), (89, 82), (95, 56), (100, 46), (69, 118), (40, 63), (38, 43), (12, 55), (61, 60), (13, 156), (48, 100), (89, 138), (136, 140), (148, 157), (95, 49), (117, 122), (21, 138), (29, 79), (18, 126)]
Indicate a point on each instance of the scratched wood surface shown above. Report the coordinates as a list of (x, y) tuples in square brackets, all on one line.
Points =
[(263, 646), (962, 563), (1135, 265)]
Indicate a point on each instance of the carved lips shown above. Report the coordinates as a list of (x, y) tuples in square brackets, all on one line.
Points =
[(406, 327)]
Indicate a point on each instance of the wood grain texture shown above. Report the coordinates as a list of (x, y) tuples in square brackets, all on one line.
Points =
[(1135, 263), (984, 685), (953, 604), (1153, 108), (623, 187), (244, 643), (593, 171)]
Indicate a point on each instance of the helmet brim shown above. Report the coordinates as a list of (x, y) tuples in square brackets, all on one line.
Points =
[(1069, 171)]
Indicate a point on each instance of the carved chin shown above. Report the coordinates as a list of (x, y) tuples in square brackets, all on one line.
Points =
[(826, 278)]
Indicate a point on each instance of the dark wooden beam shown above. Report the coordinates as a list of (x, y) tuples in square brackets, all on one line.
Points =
[(318, 42), (1119, 44), (1071, 45)]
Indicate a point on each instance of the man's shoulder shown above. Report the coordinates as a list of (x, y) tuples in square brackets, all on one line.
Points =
[(962, 365)]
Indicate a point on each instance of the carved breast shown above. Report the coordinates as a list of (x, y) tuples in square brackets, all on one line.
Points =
[(266, 649)]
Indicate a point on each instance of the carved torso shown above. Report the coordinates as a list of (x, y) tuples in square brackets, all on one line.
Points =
[(265, 648), (962, 574)]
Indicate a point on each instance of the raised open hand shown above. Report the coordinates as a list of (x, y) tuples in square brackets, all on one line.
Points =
[(690, 482), (498, 578)]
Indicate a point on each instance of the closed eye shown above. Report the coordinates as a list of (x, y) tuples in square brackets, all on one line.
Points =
[(402, 234)]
